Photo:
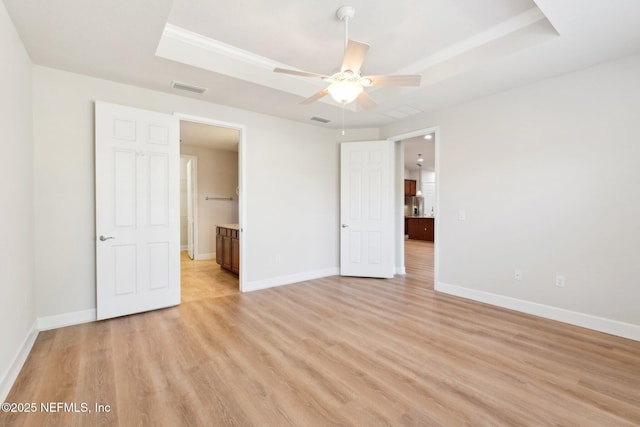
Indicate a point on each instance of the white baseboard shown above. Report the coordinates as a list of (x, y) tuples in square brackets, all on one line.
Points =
[(289, 279), (200, 257), (40, 324), (401, 270), (601, 324), (11, 374), (184, 248), (66, 319)]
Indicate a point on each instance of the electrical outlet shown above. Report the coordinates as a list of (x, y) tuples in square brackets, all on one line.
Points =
[(517, 275), (462, 215), (560, 282)]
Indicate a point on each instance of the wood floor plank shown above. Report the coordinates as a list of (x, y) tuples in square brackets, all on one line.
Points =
[(205, 279), (333, 351)]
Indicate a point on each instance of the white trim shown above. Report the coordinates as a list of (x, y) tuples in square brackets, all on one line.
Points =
[(219, 48), (289, 279), (497, 32), (194, 179), (601, 324), (66, 319), (40, 324), (201, 257), (242, 158), (184, 248), (11, 374), (399, 212), (186, 47)]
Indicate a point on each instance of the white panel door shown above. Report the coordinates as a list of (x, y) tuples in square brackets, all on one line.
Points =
[(366, 209), (190, 250), (137, 218)]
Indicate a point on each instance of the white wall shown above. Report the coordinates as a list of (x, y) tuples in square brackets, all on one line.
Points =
[(17, 303), (217, 177), (291, 183), (548, 176)]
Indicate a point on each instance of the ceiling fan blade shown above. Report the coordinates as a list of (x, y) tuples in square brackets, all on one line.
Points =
[(354, 56), (395, 80), (365, 102), (300, 73), (315, 97)]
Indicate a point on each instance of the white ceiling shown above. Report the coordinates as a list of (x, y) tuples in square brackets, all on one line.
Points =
[(216, 137), (462, 48), (419, 147)]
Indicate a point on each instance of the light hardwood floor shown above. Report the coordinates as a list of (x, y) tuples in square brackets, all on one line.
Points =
[(334, 351), (204, 279)]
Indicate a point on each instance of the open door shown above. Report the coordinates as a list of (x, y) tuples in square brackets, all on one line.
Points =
[(366, 209), (190, 209), (137, 219)]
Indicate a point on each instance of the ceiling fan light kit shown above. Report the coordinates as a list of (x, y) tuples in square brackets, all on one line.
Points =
[(347, 85), (345, 92)]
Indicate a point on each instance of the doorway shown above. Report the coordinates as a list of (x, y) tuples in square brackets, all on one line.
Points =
[(417, 237), (211, 195)]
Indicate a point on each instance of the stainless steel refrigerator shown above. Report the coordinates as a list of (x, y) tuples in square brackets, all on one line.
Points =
[(414, 206)]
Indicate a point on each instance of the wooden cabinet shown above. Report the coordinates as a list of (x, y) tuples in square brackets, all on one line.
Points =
[(226, 252), (228, 247), (420, 228), (410, 187), (235, 255), (219, 246)]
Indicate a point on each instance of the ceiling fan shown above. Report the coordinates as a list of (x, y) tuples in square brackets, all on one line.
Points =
[(347, 85)]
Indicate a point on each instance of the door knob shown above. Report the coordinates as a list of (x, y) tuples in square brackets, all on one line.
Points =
[(345, 225), (103, 238)]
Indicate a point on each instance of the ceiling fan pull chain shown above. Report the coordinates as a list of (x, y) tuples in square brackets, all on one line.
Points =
[(343, 104)]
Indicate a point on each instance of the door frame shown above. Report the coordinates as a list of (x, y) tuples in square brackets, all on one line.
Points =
[(399, 167), (242, 154), (194, 180)]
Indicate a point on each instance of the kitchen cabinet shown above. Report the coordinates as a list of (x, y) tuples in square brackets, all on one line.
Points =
[(410, 187), (228, 247), (420, 228)]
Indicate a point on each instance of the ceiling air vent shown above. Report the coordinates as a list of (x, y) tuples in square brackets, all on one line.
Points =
[(320, 119), (186, 86)]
